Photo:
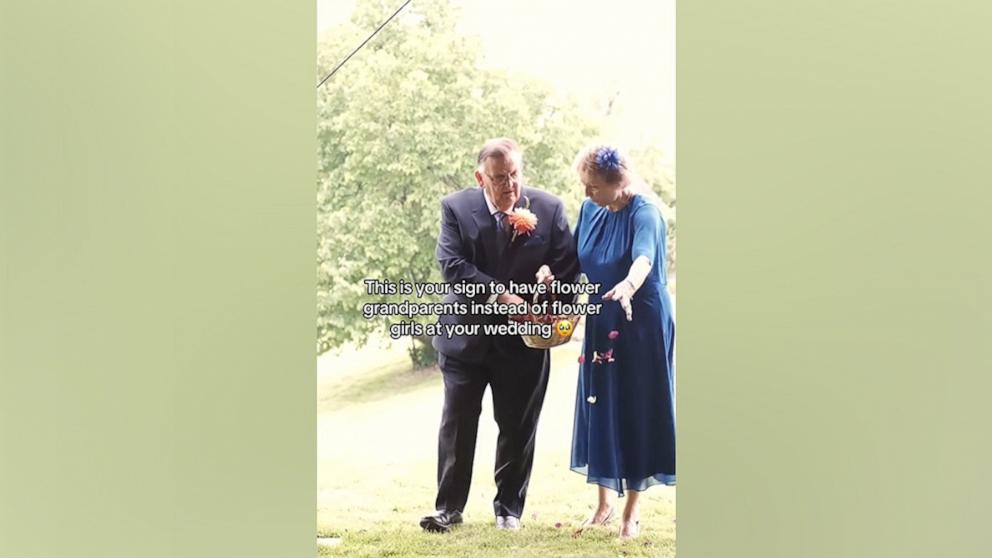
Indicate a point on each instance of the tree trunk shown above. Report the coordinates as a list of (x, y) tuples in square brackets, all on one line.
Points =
[(422, 353)]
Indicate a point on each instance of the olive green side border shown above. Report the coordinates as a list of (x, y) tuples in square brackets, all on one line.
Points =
[(834, 308), (157, 279)]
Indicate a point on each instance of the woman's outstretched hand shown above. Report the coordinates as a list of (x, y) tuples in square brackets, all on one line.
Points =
[(622, 292)]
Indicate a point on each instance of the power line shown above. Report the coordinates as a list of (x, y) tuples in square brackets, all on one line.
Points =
[(363, 44)]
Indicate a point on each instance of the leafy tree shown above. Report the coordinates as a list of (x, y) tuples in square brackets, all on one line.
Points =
[(399, 128), (659, 178)]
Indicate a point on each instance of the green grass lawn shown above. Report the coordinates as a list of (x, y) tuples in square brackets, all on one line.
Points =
[(377, 436)]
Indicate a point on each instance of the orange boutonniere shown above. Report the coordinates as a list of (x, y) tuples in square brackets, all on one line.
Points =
[(522, 220)]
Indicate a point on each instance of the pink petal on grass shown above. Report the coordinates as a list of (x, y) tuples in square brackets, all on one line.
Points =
[(614, 334), (558, 525)]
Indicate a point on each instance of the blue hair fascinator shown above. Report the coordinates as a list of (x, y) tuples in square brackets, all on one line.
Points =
[(608, 159)]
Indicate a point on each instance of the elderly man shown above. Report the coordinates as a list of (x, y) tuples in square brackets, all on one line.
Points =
[(476, 244)]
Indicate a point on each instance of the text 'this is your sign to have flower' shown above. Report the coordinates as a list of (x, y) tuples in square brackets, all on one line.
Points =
[(534, 318)]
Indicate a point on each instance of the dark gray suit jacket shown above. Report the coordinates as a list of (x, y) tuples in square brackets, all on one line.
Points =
[(467, 251)]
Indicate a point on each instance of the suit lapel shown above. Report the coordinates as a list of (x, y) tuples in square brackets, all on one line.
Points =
[(522, 202), (501, 259), (487, 228)]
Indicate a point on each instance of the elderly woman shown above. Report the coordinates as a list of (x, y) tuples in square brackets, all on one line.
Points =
[(624, 431)]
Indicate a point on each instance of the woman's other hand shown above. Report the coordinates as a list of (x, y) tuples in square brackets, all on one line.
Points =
[(622, 292)]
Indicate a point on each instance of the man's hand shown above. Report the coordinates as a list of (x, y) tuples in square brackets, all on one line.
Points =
[(510, 298), (622, 292)]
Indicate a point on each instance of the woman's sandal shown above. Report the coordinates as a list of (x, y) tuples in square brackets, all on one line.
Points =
[(636, 532), (590, 523)]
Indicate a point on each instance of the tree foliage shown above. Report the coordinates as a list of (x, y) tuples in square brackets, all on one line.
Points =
[(399, 126), (659, 178)]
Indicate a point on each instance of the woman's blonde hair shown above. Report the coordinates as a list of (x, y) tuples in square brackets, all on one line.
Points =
[(611, 165), (606, 163)]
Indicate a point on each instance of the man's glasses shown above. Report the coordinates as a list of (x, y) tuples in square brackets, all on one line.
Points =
[(503, 180)]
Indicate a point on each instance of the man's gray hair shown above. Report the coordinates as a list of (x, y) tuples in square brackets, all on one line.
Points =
[(498, 148)]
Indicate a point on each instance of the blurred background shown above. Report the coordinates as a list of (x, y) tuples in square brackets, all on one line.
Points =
[(399, 126)]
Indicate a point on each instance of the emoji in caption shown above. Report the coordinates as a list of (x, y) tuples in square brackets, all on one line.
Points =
[(564, 327)]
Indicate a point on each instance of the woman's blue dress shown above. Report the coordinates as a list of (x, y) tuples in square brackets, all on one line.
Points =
[(624, 431)]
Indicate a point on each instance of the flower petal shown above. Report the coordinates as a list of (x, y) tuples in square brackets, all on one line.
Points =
[(614, 334)]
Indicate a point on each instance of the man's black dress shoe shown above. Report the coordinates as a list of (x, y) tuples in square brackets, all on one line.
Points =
[(440, 522)]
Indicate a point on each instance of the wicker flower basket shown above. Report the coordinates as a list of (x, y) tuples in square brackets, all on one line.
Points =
[(562, 328)]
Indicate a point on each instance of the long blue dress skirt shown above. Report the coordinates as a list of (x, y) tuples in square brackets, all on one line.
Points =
[(624, 430)]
